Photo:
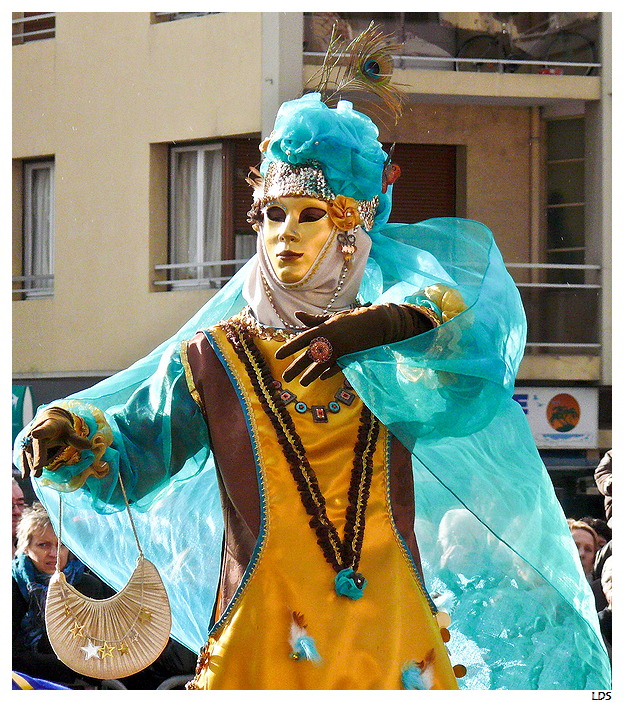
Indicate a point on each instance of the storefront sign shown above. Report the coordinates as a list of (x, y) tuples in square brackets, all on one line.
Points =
[(561, 417)]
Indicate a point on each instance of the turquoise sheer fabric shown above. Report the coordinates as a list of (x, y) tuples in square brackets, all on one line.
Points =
[(496, 549)]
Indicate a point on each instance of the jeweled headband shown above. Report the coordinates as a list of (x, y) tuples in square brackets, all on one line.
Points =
[(306, 180)]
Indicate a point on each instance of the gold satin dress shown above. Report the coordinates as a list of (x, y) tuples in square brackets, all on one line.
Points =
[(364, 643)]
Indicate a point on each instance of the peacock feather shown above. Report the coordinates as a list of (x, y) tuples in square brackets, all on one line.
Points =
[(363, 64)]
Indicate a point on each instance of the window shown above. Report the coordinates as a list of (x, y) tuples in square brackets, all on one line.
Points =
[(427, 185), (196, 223), (565, 243), (569, 303), (209, 236), (38, 228), (242, 154)]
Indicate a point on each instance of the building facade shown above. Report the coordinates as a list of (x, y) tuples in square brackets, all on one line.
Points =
[(133, 134)]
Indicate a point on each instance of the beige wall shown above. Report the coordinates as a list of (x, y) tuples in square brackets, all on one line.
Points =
[(497, 153), (96, 97)]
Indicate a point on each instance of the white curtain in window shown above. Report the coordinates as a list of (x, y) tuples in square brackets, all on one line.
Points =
[(39, 226), (184, 216), (246, 245), (196, 211), (213, 196)]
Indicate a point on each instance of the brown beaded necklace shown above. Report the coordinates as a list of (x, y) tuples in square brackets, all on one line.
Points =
[(342, 554)]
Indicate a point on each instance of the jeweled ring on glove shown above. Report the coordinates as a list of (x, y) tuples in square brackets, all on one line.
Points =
[(320, 350), (26, 442)]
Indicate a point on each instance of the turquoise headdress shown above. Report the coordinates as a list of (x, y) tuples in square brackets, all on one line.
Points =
[(322, 152)]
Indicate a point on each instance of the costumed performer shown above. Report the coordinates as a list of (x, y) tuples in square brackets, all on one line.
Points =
[(353, 376)]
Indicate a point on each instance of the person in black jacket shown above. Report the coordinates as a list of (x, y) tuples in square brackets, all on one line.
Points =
[(34, 563), (603, 478), (18, 508), (605, 614)]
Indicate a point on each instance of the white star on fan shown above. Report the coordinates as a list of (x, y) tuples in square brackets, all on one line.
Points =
[(91, 650)]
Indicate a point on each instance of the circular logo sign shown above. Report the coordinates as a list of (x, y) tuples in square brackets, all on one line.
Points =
[(563, 412)]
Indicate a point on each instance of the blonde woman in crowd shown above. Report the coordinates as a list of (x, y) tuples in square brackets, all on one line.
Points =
[(586, 541)]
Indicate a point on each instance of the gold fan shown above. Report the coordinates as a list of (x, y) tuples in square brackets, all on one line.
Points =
[(110, 638)]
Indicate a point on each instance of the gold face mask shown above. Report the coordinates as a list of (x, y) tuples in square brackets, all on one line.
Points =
[(295, 229)]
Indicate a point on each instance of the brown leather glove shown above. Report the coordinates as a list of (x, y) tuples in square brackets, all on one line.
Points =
[(51, 435), (348, 332)]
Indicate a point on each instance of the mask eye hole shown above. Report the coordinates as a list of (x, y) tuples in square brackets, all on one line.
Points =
[(312, 214), (276, 214)]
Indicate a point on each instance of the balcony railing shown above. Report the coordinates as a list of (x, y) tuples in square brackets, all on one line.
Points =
[(483, 64), (33, 286), (562, 316), (198, 279), (31, 26), (173, 16), (552, 43)]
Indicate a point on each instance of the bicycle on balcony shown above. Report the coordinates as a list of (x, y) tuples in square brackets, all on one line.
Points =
[(547, 47)]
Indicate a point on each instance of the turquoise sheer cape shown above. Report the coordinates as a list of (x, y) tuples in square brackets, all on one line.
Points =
[(496, 549)]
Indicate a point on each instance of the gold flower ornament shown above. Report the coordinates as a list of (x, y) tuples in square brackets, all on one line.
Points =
[(344, 214)]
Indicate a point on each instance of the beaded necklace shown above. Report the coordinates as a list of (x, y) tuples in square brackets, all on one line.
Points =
[(342, 554), (320, 413), (326, 309)]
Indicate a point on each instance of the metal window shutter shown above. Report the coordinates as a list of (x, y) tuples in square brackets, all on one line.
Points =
[(426, 187)]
